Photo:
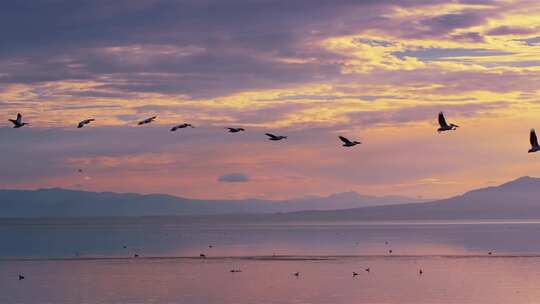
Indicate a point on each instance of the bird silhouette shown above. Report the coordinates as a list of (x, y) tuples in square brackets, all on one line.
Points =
[(367, 269), (235, 130), (275, 137), (202, 255), (348, 143), (354, 274), (84, 122), (21, 277), (146, 121), (443, 126), (181, 126), (534, 142), (296, 274), (18, 123)]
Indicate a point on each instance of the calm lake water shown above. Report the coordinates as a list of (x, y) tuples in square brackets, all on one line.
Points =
[(92, 261)]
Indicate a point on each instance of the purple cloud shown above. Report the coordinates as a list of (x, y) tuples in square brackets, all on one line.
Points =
[(510, 30), (233, 178)]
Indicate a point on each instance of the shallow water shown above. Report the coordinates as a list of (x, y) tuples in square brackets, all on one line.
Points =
[(85, 262)]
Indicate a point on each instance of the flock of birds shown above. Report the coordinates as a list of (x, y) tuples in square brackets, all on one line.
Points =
[(296, 274), (443, 126)]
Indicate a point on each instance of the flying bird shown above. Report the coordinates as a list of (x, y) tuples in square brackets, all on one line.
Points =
[(348, 143), (275, 137), (445, 126), (17, 123), (534, 142), (235, 130), (84, 122), (181, 126), (147, 121)]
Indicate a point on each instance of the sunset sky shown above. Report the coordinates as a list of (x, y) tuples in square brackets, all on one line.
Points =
[(374, 71)]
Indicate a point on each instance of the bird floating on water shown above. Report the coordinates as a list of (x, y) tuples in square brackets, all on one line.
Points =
[(235, 270), (348, 143), (235, 130), (367, 269), (85, 122), (444, 126), (21, 277), (181, 126), (354, 274), (534, 142), (202, 255), (146, 121), (275, 137), (17, 123)]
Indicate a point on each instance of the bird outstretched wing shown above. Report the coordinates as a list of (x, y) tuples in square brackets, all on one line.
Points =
[(345, 140), (442, 120), (534, 139), (271, 135), (148, 120)]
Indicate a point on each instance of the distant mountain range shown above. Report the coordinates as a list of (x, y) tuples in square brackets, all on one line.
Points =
[(518, 199), (58, 202)]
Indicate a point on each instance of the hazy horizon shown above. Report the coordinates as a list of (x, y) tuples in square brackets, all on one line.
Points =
[(306, 196)]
